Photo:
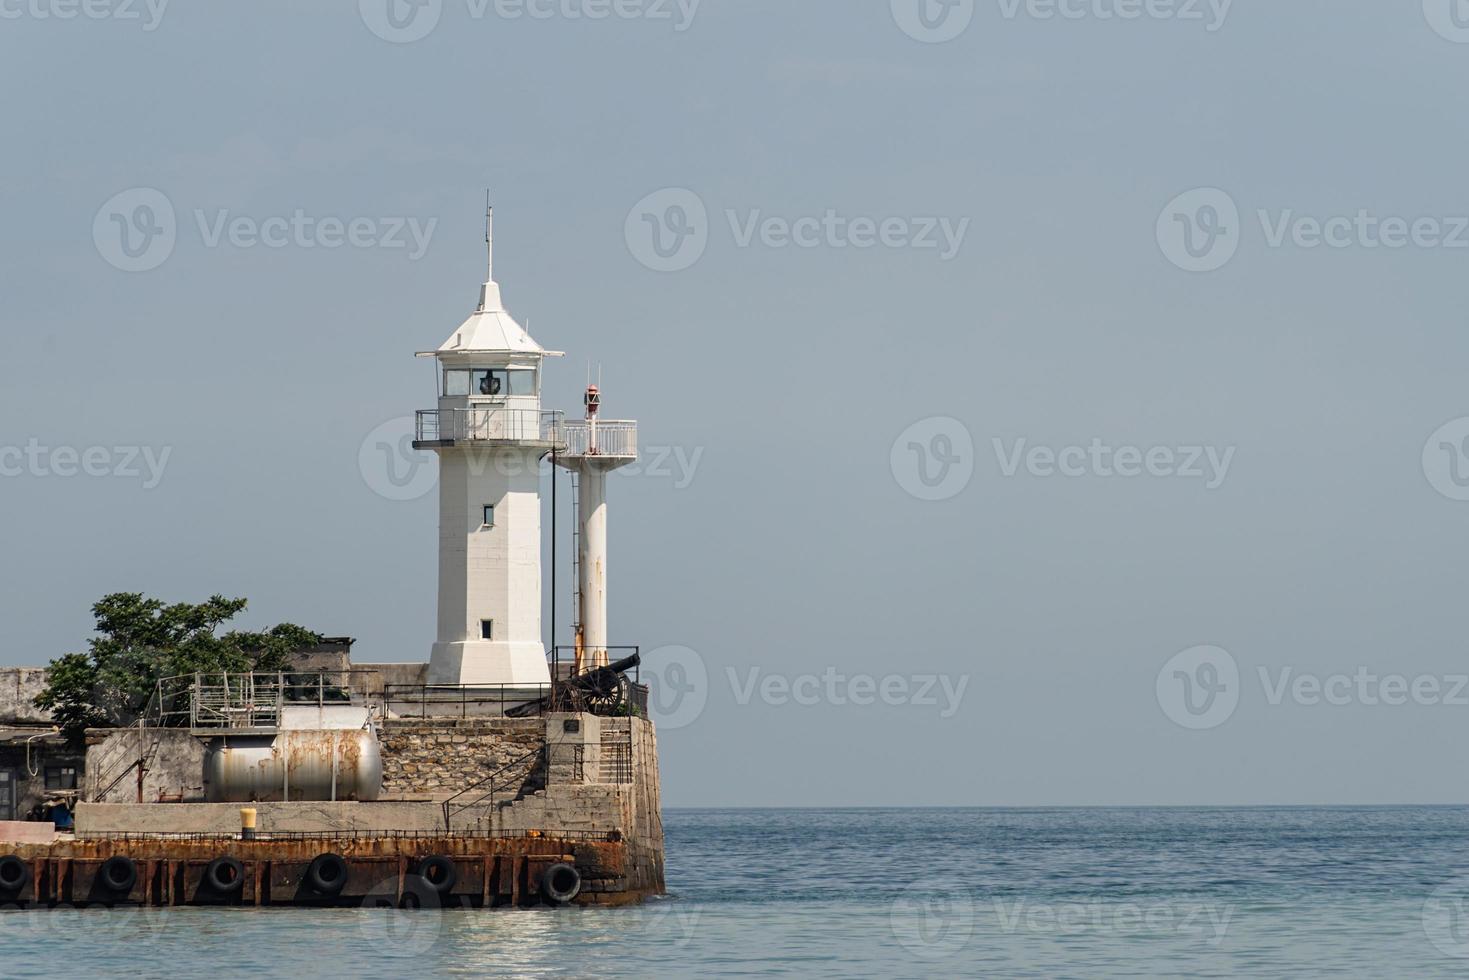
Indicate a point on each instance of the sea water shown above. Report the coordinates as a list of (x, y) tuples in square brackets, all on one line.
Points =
[(896, 893)]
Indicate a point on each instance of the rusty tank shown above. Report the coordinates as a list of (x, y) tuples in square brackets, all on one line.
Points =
[(294, 766)]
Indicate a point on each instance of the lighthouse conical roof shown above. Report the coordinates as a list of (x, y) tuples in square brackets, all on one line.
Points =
[(491, 329)]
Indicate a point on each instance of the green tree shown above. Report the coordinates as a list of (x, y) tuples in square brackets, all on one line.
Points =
[(141, 641)]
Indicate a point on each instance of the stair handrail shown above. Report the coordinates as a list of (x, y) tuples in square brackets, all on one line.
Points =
[(450, 811)]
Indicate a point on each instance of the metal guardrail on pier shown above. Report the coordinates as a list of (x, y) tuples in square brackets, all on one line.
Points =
[(585, 437), (247, 701), (404, 701), (495, 424)]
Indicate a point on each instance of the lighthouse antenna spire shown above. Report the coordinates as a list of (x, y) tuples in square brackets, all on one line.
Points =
[(489, 238)]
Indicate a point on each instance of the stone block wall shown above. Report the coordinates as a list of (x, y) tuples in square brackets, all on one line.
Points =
[(438, 758), (18, 689), (173, 768)]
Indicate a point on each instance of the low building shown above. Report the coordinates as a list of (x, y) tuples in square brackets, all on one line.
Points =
[(36, 764)]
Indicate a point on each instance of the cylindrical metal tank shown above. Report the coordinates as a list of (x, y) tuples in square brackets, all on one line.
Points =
[(296, 766)]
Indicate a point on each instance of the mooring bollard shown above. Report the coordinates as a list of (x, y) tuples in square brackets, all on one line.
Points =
[(247, 823)]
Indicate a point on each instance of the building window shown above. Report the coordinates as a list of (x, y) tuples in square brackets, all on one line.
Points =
[(61, 777), (456, 383), (486, 629), (489, 384), (489, 516), (522, 382)]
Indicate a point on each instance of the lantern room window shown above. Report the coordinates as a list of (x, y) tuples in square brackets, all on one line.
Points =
[(491, 382)]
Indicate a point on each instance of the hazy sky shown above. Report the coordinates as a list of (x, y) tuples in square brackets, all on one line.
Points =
[(913, 307)]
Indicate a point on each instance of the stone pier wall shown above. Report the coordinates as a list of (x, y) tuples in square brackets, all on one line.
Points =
[(437, 758)]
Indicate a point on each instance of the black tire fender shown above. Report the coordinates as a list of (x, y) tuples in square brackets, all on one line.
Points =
[(440, 872), (327, 875), (118, 874), (225, 875), (560, 883), (15, 874)]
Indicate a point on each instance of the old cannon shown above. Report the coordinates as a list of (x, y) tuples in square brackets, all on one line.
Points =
[(601, 690)]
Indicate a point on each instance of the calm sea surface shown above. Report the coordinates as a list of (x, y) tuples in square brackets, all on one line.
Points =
[(902, 893)]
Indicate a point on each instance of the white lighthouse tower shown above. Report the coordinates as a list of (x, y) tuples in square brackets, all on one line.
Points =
[(490, 435)]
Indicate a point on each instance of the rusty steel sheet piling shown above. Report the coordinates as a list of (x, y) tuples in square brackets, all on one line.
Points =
[(380, 871)]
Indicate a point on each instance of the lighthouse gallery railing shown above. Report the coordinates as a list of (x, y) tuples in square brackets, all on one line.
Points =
[(490, 424), (602, 438)]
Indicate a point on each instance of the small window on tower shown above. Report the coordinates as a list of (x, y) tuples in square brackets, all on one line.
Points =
[(489, 516), (486, 629)]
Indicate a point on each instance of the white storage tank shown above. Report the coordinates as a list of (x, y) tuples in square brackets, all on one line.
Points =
[(319, 754)]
